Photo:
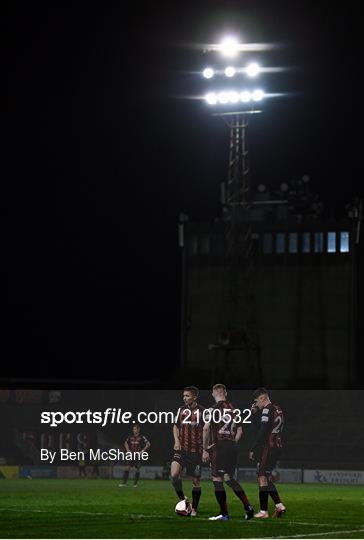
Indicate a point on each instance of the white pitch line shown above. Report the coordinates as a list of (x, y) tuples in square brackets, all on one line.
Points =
[(80, 512), (33, 510), (162, 516), (314, 534), (312, 524)]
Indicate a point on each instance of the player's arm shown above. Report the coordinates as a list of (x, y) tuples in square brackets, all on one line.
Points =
[(126, 445), (205, 442), (146, 444), (177, 443), (254, 408), (239, 434), (261, 435)]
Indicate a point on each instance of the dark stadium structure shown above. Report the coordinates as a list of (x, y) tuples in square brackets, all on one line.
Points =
[(278, 305), (270, 289)]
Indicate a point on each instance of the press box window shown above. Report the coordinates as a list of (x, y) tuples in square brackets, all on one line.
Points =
[(292, 242), (319, 242), (267, 243), (331, 242), (344, 242), (306, 242)]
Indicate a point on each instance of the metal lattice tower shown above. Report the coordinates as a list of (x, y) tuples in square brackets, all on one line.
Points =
[(238, 330), (238, 175)]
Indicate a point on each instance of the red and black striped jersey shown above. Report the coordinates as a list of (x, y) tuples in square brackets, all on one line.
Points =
[(136, 443), (272, 418), (190, 424), (222, 424)]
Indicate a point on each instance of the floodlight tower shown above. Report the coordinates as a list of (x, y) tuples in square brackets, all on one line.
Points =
[(238, 333), (234, 107)]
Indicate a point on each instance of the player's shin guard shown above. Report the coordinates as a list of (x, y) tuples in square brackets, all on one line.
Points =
[(239, 492), (220, 495), (177, 484), (263, 498), (273, 492), (196, 494), (125, 477), (136, 478)]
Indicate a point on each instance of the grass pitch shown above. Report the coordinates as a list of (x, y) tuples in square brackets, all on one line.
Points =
[(101, 509)]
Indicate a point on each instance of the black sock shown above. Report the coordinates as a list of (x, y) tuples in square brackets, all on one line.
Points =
[(126, 476), (196, 494), (263, 498), (273, 492), (239, 492), (220, 495), (177, 484), (136, 478)]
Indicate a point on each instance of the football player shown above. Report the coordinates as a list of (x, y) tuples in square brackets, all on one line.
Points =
[(220, 437), (187, 449), (134, 443), (266, 450)]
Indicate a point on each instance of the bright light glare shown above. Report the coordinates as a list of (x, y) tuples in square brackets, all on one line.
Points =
[(258, 95), (245, 96), (208, 73), (230, 71), (229, 47), (223, 97), (211, 98), (233, 97), (252, 70)]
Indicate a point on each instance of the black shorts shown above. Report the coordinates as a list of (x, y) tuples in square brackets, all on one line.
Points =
[(223, 458), (191, 461), (267, 461)]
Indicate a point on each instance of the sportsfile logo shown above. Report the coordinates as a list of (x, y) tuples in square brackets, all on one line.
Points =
[(118, 416), (108, 416)]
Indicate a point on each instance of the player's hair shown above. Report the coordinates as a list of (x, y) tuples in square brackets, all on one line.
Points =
[(259, 392), (192, 389), (220, 387)]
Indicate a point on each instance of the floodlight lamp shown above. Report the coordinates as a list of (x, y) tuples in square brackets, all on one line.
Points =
[(252, 70), (257, 95), (233, 97), (211, 98), (208, 73), (245, 96), (229, 47), (230, 71), (223, 97)]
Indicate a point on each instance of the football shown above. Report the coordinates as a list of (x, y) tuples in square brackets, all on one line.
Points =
[(183, 508)]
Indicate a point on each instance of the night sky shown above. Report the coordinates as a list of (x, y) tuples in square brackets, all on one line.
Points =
[(105, 151)]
